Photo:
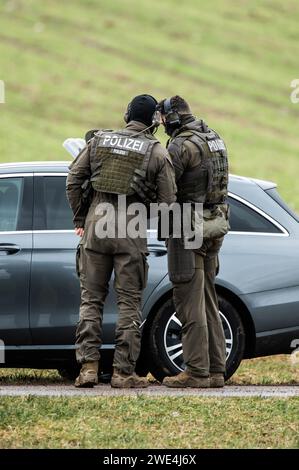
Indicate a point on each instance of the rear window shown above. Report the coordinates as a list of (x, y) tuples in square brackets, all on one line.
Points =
[(58, 212), (273, 193), (244, 219), (51, 208)]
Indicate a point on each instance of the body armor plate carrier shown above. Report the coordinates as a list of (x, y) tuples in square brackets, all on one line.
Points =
[(119, 162), (207, 182)]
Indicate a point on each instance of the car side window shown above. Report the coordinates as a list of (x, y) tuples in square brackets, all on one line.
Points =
[(58, 215), (244, 219), (11, 191)]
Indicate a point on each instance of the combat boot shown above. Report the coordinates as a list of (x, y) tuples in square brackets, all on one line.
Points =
[(216, 380), (121, 380), (185, 379), (88, 376)]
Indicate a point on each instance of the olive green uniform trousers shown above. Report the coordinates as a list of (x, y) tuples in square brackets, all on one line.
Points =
[(95, 268), (197, 308)]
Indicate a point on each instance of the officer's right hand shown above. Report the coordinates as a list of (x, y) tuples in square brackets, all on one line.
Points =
[(79, 231)]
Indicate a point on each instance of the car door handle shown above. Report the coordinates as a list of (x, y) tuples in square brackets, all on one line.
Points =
[(9, 248), (157, 250)]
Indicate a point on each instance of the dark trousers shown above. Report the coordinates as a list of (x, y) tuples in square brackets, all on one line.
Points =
[(197, 308), (95, 269)]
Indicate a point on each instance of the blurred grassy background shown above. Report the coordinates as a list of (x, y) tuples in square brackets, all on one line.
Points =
[(71, 66)]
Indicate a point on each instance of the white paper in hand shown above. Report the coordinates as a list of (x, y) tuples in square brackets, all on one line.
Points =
[(74, 146)]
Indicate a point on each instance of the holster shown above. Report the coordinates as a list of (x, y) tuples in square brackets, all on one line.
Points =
[(181, 262)]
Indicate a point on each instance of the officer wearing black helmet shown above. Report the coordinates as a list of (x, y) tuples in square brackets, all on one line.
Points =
[(129, 162)]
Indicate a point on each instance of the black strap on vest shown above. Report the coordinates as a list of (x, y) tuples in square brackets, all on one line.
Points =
[(94, 144)]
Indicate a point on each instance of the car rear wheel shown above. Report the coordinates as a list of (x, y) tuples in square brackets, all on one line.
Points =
[(165, 340), (69, 372)]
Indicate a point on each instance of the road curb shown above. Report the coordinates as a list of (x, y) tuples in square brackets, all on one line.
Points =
[(152, 391)]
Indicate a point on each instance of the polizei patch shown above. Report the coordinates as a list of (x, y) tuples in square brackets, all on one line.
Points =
[(216, 145), (123, 143)]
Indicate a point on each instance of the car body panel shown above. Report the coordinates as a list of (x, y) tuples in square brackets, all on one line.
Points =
[(14, 289), (260, 263), (274, 309), (55, 292), (15, 265)]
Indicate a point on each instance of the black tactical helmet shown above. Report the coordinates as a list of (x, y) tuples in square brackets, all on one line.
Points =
[(142, 109)]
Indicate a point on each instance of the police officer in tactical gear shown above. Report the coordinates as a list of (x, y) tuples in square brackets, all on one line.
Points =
[(129, 162), (200, 160)]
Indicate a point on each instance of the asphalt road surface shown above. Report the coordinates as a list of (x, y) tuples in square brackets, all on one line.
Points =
[(151, 391)]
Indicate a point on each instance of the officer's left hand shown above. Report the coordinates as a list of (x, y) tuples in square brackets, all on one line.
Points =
[(79, 231)]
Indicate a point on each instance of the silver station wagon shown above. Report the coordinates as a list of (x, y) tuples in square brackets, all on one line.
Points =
[(258, 282)]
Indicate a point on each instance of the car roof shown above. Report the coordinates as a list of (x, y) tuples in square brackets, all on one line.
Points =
[(264, 184), (62, 167), (35, 167)]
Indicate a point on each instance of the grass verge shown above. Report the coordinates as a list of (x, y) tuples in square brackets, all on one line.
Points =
[(142, 422), (271, 370)]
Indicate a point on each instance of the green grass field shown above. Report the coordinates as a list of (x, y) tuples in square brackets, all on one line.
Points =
[(143, 422), (72, 66)]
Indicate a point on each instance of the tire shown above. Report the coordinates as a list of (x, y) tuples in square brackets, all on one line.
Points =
[(142, 364), (165, 331), (69, 372)]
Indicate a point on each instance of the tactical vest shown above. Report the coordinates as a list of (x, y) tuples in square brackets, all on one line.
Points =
[(207, 182), (119, 162)]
